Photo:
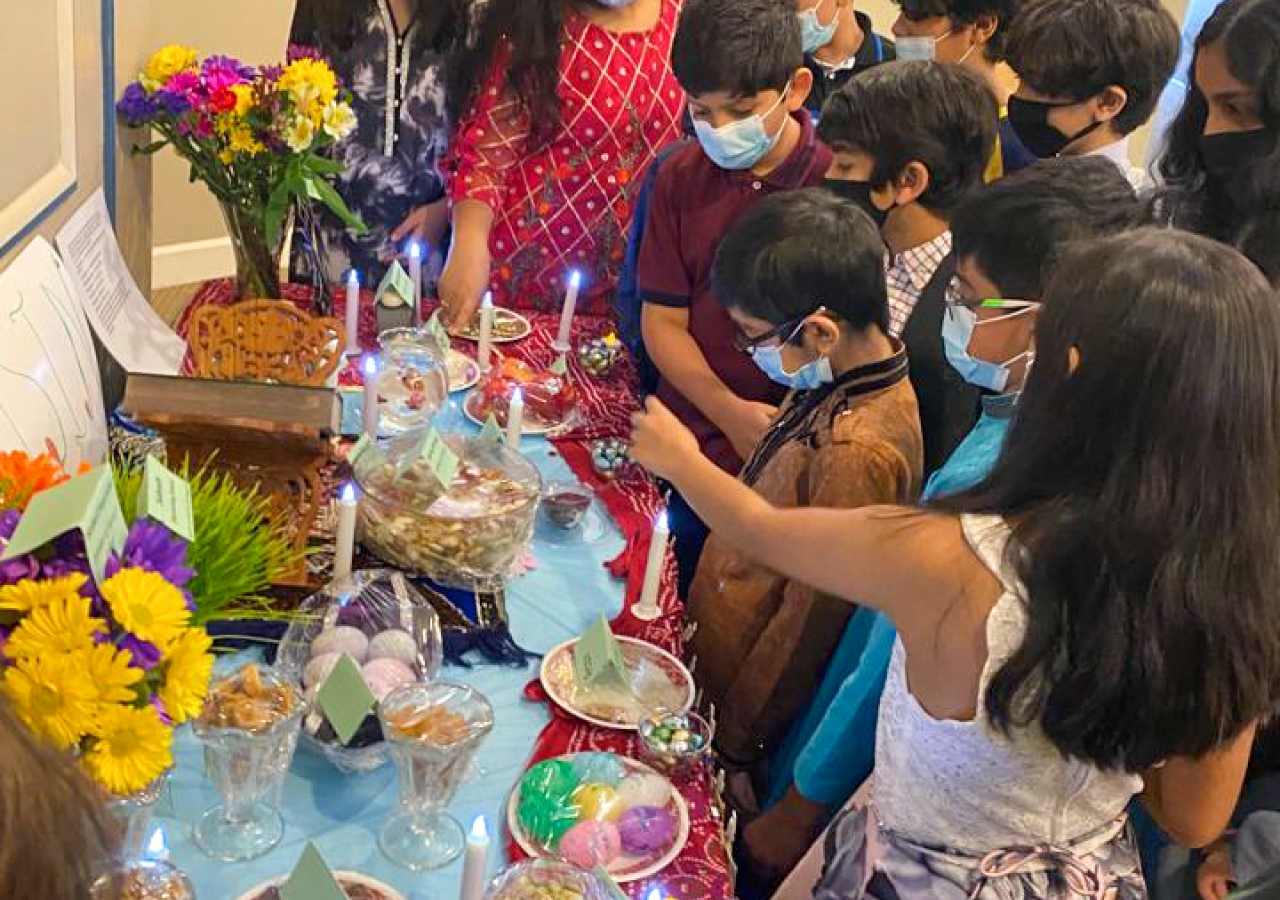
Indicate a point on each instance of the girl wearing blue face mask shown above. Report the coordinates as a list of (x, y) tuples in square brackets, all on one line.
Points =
[(847, 435)]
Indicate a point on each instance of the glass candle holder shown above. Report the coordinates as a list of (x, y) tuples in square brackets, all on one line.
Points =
[(249, 729), (433, 731)]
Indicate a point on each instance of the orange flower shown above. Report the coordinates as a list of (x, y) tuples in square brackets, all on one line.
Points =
[(22, 476)]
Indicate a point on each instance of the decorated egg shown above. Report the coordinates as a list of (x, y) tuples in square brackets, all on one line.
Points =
[(342, 639), (604, 768), (393, 644), (645, 829), (591, 843), (385, 675), (644, 789), (597, 801), (553, 778), (319, 668)]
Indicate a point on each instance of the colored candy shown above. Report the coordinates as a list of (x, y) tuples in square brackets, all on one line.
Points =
[(394, 644), (644, 790), (604, 768), (609, 455), (591, 843), (342, 639), (385, 675), (597, 801), (645, 829)]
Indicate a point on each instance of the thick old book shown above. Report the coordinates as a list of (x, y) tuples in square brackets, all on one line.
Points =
[(160, 400)]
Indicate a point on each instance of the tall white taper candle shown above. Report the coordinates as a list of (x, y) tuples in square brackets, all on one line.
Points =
[(353, 313), (475, 865), (561, 343), (370, 411), (415, 274), (646, 608), (345, 548), (486, 332), (515, 419)]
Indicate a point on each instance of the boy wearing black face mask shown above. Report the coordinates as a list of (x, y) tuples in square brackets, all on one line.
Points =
[(910, 140), (1091, 72)]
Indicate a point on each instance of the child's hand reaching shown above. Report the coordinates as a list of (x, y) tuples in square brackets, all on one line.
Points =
[(660, 442), (1215, 877)]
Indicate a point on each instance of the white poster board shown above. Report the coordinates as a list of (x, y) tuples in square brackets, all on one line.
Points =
[(50, 389)]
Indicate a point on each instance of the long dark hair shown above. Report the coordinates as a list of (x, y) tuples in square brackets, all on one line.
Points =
[(1246, 211), (1142, 489), (533, 29), (333, 24)]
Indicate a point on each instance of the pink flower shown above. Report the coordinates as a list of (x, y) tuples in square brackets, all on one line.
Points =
[(221, 72), (186, 84)]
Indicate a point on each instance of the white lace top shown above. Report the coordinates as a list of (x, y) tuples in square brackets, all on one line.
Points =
[(963, 784)]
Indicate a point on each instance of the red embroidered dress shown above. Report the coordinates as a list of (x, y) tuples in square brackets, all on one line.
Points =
[(565, 203)]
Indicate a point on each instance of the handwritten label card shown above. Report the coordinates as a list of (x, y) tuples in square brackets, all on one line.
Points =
[(365, 447), (88, 503), (597, 658), (440, 458), (312, 879), (491, 431), (345, 698), (166, 498), (396, 288), (437, 333)]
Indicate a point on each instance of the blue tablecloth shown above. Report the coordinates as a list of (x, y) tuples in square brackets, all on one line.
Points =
[(342, 813)]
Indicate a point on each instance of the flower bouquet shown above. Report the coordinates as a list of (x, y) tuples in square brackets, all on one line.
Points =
[(256, 138), (103, 669)]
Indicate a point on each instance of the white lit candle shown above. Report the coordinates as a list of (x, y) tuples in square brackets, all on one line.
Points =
[(515, 419), (486, 332), (475, 865), (371, 397), (345, 548), (353, 313), (646, 609), (415, 274), (566, 312)]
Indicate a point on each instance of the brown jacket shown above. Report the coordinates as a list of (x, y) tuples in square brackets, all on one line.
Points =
[(763, 641)]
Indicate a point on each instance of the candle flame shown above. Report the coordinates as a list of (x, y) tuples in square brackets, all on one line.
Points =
[(348, 494), (517, 396), (415, 250), (575, 278), (479, 829), (610, 339), (158, 845), (654, 894), (371, 365), (663, 523), (353, 277), (488, 299)]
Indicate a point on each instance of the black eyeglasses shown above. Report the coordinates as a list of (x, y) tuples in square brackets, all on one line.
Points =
[(790, 328)]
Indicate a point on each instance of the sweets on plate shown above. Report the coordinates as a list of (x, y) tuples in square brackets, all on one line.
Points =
[(547, 879), (548, 398), (644, 789), (591, 843), (644, 829), (247, 701), (506, 326)]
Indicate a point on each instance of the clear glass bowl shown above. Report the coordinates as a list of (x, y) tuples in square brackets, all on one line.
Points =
[(247, 765), (466, 537), (543, 879), (433, 731), (566, 503), (413, 382)]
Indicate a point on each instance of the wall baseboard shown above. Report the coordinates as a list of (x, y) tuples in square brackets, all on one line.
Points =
[(191, 262)]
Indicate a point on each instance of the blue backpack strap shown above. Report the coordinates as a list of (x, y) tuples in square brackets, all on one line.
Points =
[(878, 42)]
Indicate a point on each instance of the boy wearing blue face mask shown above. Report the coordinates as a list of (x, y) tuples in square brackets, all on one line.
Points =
[(838, 43), (1004, 239), (847, 435), (741, 64)]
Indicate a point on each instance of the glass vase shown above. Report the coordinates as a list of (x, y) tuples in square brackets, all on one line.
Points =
[(257, 257), (433, 731), (134, 815)]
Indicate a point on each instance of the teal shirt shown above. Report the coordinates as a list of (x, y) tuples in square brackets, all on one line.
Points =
[(833, 746)]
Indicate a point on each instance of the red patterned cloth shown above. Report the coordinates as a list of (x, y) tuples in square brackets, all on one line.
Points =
[(565, 203), (701, 871)]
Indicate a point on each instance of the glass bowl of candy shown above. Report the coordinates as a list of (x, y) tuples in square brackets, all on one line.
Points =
[(565, 503), (467, 535), (598, 355), (390, 630), (433, 731), (599, 809), (546, 879), (143, 880), (675, 742), (413, 383)]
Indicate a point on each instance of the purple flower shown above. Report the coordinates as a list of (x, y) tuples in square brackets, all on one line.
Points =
[(146, 655), (172, 103), (153, 548), (14, 570), (221, 72), (163, 713), (135, 105), (303, 51)]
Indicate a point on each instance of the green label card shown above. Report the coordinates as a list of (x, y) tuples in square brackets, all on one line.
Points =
[(312, 879), (166, 498), (365, 446), (439, 457), (492, 431), (560, 366), (396, 288), (88, 503), (597, 658), (345, 698), (436, 331)]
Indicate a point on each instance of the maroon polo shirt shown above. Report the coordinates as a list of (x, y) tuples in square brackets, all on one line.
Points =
[(694, 203)]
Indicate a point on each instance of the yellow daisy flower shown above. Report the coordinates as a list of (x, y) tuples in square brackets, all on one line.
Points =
[(53, 696), (244, 98), (147, 605), (109, 671), (339, 120), (29, 594), (167, 62), (55, 629), (310, 81), (133, 749), (242, 141), (188, 669)]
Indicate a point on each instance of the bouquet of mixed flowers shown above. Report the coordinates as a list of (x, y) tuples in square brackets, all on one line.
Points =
[(256, 137), (104, 670)]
